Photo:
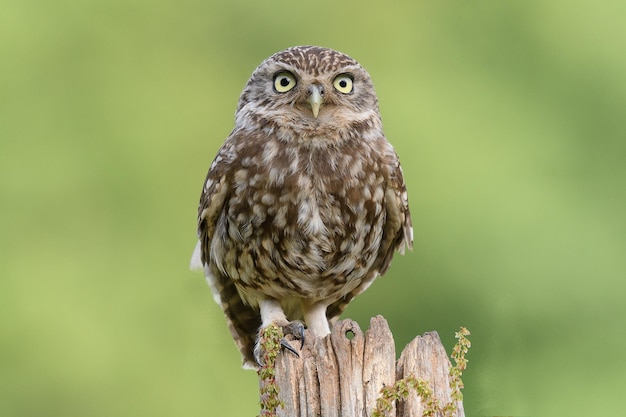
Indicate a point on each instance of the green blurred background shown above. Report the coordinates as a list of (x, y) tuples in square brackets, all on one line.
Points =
[(509, 118)]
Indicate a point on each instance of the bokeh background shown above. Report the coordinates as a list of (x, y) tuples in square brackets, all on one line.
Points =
[(509, 118)]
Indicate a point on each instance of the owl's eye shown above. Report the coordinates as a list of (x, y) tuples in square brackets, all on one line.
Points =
[(284, 81), (343, 83)]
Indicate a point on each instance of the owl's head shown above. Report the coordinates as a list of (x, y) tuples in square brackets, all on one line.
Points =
[(310, 90)]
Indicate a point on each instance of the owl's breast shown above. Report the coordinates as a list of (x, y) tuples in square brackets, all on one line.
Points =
[(304, 222)]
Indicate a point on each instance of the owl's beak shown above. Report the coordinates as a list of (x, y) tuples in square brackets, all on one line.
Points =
[(315, 98)]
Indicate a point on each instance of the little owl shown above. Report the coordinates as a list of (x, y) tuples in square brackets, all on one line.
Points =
[(305, 203)]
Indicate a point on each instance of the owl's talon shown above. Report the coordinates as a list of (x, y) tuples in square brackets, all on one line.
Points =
[(291, 331), (284, 343), (296, 329)]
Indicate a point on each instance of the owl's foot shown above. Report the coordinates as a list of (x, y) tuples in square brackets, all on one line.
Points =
[(268, 337), (295, 329)]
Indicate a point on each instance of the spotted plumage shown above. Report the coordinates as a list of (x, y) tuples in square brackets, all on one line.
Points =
[(305, 203)]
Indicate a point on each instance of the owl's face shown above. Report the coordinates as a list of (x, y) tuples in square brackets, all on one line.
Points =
[(309, 90)]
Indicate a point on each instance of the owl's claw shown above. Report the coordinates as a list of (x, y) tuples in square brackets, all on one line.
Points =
[(296, 329), (284, 343)]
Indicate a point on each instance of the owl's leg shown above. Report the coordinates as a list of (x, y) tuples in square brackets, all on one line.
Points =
[(273, 313), (315, 317)]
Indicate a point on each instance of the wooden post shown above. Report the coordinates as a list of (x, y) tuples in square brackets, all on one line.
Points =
[(342, 374)]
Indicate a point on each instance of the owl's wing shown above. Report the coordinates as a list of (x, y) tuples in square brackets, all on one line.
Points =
[(397, 232), (243, 321)]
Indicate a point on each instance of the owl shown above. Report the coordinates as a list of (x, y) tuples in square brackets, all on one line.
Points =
[(305, 203)]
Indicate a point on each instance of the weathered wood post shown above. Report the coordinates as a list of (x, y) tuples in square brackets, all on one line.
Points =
[(343, 374)]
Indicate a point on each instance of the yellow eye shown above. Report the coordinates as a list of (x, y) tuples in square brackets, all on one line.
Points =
[(343, 83), (284, 81)]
